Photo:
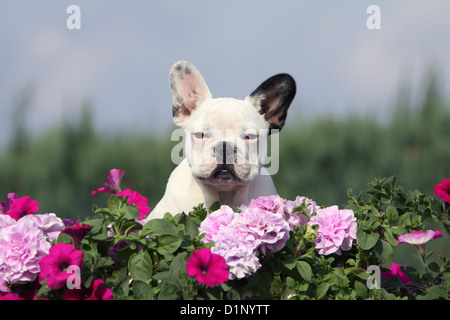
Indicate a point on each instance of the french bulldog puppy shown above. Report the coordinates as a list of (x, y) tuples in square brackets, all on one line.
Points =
[(224, 141)]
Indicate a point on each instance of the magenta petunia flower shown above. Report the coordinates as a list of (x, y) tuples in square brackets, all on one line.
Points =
[(112, 183), (22, 207), (207, 268), (396, 271), (442, 190), (4, 206), (96, 291), (11, 296), (53, 266), (139, 200), (336, 232), (77, 232), (419, 238)]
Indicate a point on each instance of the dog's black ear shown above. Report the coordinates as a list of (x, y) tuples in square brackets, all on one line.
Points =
[(189, 90), (273, 98)]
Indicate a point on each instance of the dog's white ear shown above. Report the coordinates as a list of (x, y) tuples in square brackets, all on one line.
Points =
[(273, 98), (189, 90)]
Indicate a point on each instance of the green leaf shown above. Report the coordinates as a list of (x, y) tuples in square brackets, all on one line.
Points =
[(366, 240), (64, 238), (361, 289), (305, 270), (436, 292), (168, 244), (433, 266), (124, 254), (191, 228), (114, 204), (162, 227), (277, 287), (215, 206), (290, 264), (120, 281), (322, 290), (384, 252), (178, 266), (142, 291), (140, 266), (398, 230), (392, 214), (129, 212), (358, 272), (390, 237), (168, 292)]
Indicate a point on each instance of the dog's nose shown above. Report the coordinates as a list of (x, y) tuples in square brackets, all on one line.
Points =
[(225, 152)]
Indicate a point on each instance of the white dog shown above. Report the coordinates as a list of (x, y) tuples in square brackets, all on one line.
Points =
[(223, 136)]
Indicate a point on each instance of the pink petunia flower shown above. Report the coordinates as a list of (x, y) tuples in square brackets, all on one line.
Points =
[(336, 232), (53, 266), (207, 268), (112, 183), (96, 291), (238, 248), (136, 198), (21, 207), (23, 243), (270, 229), (296, 218), (442, 190), (49, 223), (273, 203), (419, 238), (215, 221)]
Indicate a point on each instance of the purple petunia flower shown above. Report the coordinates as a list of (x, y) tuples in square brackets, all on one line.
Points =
[(112, 183)]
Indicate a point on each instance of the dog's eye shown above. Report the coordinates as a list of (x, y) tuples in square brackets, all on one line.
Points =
[(198, 135), (251, 136)]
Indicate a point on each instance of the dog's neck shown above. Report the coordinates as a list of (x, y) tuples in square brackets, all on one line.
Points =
[(234, 197)]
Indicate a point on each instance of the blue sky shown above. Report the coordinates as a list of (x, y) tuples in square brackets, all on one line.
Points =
[(120, 58)]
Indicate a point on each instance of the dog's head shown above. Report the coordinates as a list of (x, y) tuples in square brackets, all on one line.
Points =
[(224, 135)]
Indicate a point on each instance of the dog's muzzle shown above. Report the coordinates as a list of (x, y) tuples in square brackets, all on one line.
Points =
[(224, 173), (225, 152)]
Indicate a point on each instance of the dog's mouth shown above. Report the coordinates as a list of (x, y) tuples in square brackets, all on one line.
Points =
[(224, 173)]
